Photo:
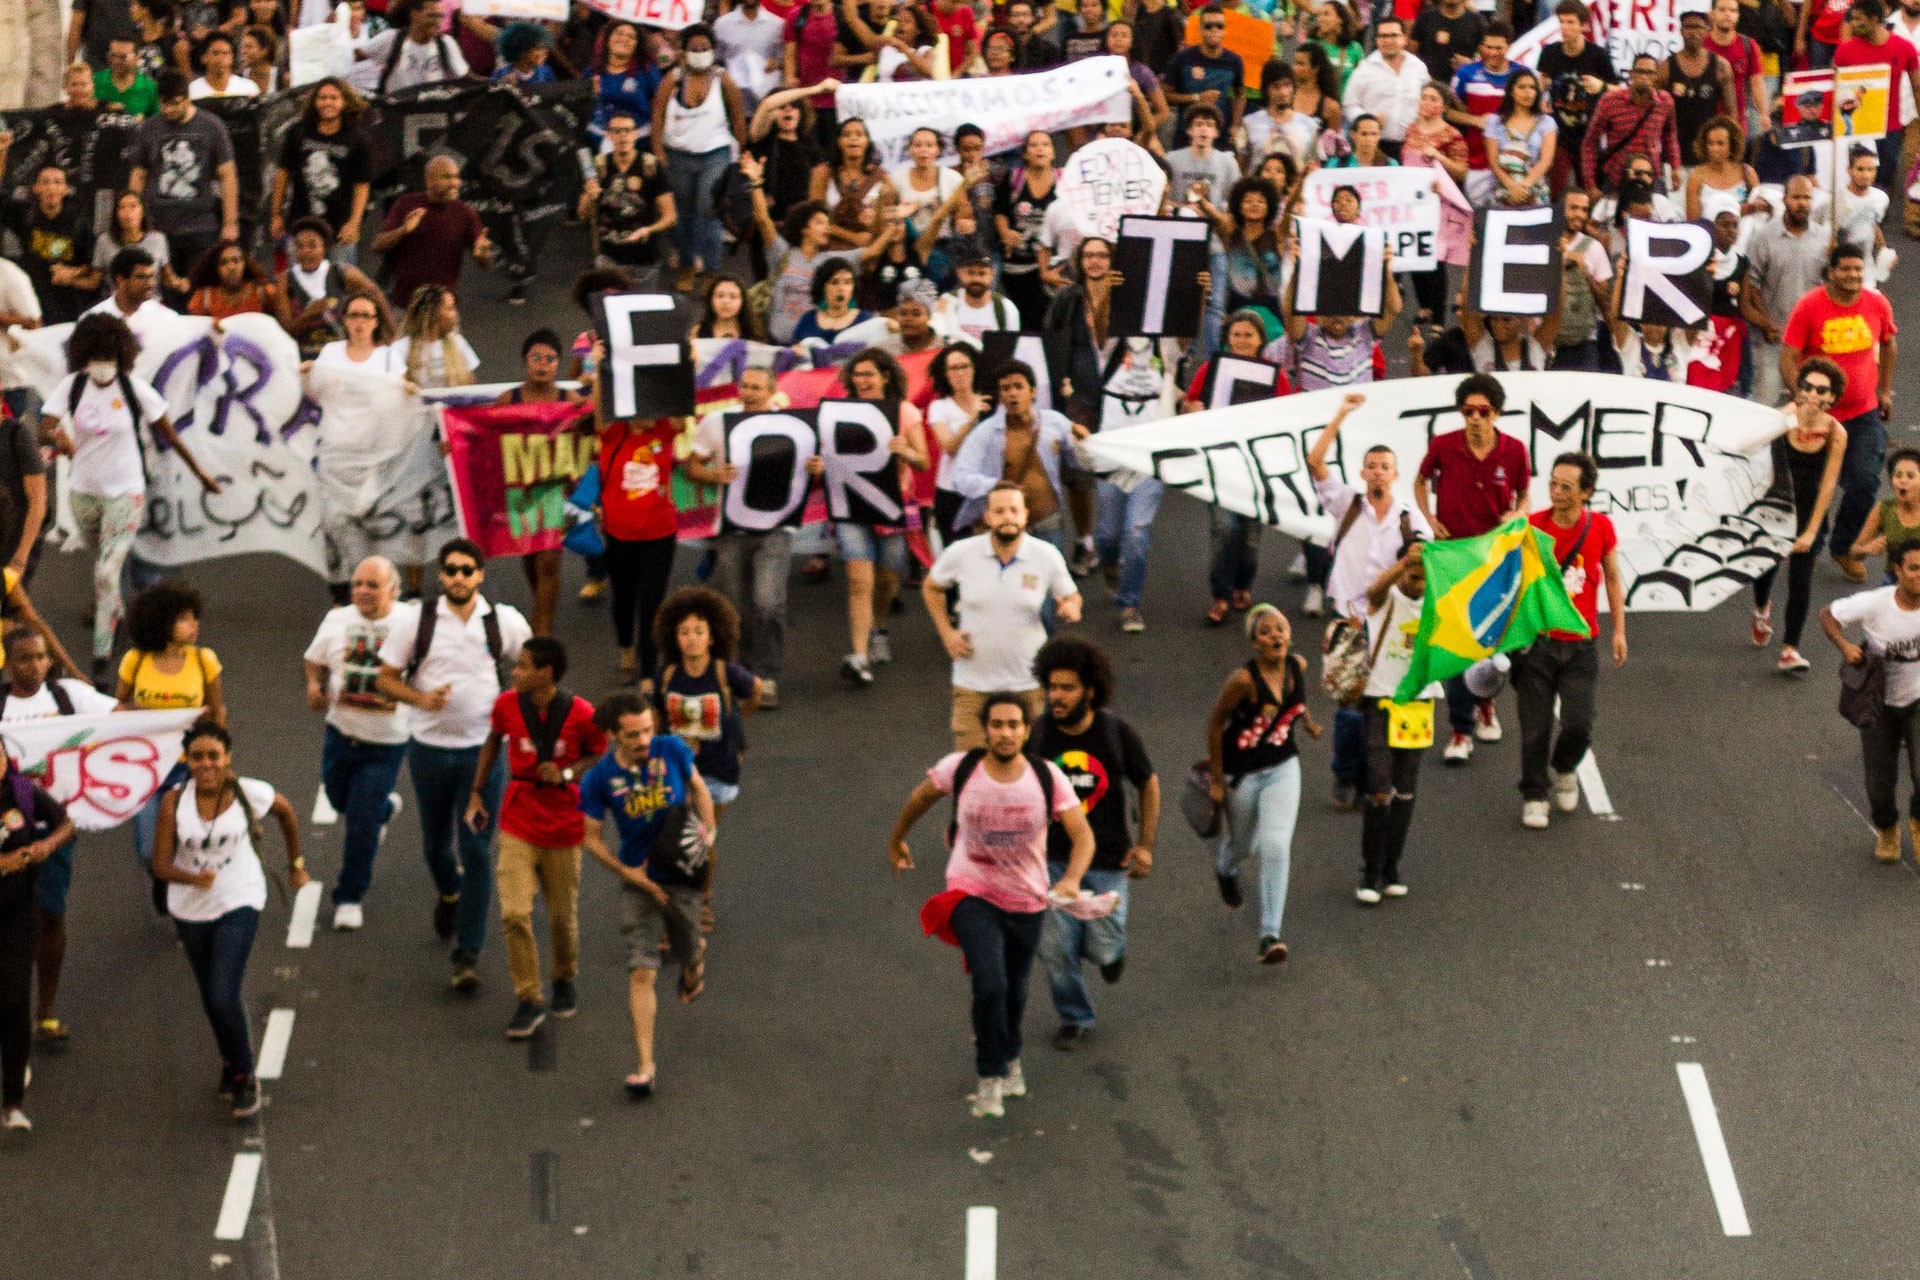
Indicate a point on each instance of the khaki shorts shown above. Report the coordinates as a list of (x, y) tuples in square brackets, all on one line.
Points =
[(643, 922), (968, 733)]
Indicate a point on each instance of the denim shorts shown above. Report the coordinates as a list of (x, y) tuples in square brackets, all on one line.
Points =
[(54, 879), (863, 542)]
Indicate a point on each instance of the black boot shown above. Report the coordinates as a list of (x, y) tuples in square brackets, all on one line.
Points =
[(1373, 850), (1399, 819)]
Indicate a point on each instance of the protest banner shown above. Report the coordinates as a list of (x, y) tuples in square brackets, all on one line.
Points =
[(513, 466), (1006, 108), (1845, 104), (853, 438), (1515, 266), (669, 15), (646, 373), (317, 51), (1406, 203), (102, 767), (1107, 179), (1684, 473), (1159, 261), (93, 148), (1667, 281), (532, 10), (769, 452), (1235, 380), (1630, 28), (1342, 269), (377, 470)]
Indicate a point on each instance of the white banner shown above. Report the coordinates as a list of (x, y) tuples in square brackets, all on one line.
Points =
[(670, 15), (378, 474), (1403, 202), (533, 10), (1108, 179), (1683, 472), (1006, 108), (318, 51), (102, 767)]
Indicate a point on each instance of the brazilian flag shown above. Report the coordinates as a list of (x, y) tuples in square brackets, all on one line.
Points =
[(1486, 595)]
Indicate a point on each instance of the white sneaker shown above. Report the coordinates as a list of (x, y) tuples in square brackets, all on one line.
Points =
[(879, 648), (1394, 889), (393, 798), (347, 916), (1014, 1083), (1368, 894), (324, 814), (1316, 602), (1533, 815), (857, 669), (1298, 569), (1566, 792), (1486, 721), (15, 1118), (1459, 749), (986, 1099), (769, 694)]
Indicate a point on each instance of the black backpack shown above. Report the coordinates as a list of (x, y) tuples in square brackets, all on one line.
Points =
[(544, 730), (62, 700), (971, 761), (423, 641)]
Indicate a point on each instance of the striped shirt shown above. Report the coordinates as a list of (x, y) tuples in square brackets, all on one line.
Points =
[(1325, 362)]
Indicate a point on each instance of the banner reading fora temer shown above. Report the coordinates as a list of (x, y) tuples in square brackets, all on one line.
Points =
[(101, 767), (512, 467)]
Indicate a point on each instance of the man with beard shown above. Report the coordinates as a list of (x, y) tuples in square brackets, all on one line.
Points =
[(1585, 291), (975, 307), (1099, 754), (1006, 577), (1786, 260)]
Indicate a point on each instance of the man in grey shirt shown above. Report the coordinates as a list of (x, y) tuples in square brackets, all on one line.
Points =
[(1200, 172), (1785, 259), (195, 189)]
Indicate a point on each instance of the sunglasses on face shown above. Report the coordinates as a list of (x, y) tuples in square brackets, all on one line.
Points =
[(1816, 388), (1477, 411), (458, 570)]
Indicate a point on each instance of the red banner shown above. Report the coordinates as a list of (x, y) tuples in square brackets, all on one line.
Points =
[(512, 467)]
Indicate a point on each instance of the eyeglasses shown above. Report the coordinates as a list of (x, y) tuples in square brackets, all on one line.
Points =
[(1213, 26), (1477, 411), (362, 315), (459, 570), (1816, 388)]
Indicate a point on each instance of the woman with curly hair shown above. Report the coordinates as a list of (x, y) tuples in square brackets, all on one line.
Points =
[(703, 695), (226, 282), (166, 669), (430, 349), (523, 48), (95, 415), (325, 167)]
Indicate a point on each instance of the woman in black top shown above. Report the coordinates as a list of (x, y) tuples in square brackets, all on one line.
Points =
[(781, 137), (1254, 763), (35, 825)]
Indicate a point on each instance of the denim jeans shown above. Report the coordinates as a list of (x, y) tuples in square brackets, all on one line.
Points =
[(1236, 552), (217, 950), (1261, 810), (1859, 479), (1550, 670), (1350, 746), (1065, 942), (442, 780), (696, 233), (358, 777), (1125, 534), (1460, 704), (752, 570), (999, 947)]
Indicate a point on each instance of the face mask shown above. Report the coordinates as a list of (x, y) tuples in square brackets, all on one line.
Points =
[(700, 60), (102, 371)]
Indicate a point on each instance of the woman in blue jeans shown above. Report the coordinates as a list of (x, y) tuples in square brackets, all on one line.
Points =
[(207, 849), (1253, 758), (697, 129)]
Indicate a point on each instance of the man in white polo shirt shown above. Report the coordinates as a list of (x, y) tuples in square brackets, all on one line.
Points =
[(450, 670), (1005, 579), (1371, 526)]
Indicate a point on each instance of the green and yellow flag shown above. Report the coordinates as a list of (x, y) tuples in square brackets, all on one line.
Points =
[(1486, 595)]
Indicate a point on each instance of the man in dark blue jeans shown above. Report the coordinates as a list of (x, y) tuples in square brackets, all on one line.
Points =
[(447, 667), (366, 730)]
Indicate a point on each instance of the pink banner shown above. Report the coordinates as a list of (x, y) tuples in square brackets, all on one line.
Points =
[(512, 467), (671, 15)]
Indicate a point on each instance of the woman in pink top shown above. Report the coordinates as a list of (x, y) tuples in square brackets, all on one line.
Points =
[(997, 879)]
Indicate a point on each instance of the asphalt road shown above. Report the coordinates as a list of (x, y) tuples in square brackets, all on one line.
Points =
[(1478, 1080)]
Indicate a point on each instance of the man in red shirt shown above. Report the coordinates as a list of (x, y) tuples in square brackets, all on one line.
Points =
[(1852, 326), (1870, 44), (1470, 481), (958, 25), (428, 235), (1563, 665), (550, 740), (1743, 55)]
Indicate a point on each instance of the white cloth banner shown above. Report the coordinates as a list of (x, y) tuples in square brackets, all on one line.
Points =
[(378, 474), (1684, 473), (1107, 179), (102, 767), (1403, 202), (318, 51), (533, 10), (670, 15), (1006, 108)]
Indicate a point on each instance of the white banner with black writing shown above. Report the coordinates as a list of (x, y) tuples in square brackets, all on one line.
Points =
[(1006, 108), (1684, 473), (770, 451), (1105, 181), (378, 472), (1405, 203)]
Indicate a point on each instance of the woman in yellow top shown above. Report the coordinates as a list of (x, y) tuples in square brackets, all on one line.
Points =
[(166, 669)]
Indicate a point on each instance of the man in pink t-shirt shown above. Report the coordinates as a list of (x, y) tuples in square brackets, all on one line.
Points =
[(997, 891)]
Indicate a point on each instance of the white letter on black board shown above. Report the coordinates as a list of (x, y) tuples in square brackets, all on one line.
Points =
[(1515, 268), (1160, 260), (863, 482), (770, 452), (1237, 381), (1666, 272), (1343, 269), (648, 373)]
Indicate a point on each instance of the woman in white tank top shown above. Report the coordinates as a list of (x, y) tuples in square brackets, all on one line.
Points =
[(697, 129)]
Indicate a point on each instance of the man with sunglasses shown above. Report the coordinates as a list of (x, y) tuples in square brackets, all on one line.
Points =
[(1208, 74), (1470, 481), (449, 666), (1852, 326)]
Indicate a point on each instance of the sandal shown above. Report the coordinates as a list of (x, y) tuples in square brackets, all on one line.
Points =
[(1242, 601), (1217, 612), (639, 1087), (52, 1031), (693, 978)]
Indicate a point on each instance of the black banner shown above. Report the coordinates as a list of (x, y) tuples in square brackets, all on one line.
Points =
[(522, 149), (93, 148), (1159, 261), (648, 371), (1515, 266), (1235, 380), (1041, 352)]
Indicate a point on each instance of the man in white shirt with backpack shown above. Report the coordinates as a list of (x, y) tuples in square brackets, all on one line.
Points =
[(974, 308), (449, 667)]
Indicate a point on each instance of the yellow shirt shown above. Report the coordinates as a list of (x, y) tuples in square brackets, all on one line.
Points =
[(155, 690)]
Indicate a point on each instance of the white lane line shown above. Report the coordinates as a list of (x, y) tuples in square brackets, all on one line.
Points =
[(983, 1242), (1588, 771), (1713, 1149), (237, 1205), (306, 907), (273, 1045)]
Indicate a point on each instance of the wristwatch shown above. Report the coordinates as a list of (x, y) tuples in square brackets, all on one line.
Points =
[(566, 775)]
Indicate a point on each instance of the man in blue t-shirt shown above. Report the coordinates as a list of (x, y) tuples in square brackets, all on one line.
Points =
[(1208, 74), (647, 784)]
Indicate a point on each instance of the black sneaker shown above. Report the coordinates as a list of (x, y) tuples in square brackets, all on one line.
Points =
[(446, 915), (465, 977), (1068, 1038), (566, 1000), (526, 1017), (1230, 890), (1112, 970), (246, 1097), (225, 1090)]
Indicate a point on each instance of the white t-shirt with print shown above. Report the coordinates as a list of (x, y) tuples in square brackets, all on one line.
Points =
[(1892, 632), (106, 457), (1000, 607), (348, 645), (1400, 616), (223, 847), (86, 700)]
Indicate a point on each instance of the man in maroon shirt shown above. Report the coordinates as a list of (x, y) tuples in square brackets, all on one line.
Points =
[(1470, 481), (428, 235), (550, 740), (1870, 44)]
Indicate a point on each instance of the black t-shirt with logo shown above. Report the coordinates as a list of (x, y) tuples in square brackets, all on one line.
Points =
[(1098, 773), (322, 171), (62, 239), (1571, 104)]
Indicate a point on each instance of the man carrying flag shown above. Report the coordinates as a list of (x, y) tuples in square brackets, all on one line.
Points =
[(1563, 664)]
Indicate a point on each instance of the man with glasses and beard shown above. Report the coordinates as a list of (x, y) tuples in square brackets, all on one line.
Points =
[(449, 666)]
